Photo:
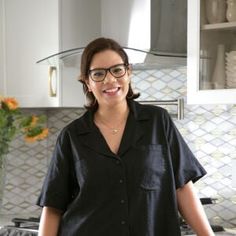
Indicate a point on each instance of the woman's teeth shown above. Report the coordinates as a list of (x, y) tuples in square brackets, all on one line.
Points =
[(113, 90)]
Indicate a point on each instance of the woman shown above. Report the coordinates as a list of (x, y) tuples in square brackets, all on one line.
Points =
[(122, 168)]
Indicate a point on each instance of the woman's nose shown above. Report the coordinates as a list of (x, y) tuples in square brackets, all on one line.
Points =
[(109, 78)]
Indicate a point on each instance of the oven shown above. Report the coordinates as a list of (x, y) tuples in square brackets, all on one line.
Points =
[(21, 227)]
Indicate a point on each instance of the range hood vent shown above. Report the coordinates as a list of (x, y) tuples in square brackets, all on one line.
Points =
[(167, 39), (140, 59)]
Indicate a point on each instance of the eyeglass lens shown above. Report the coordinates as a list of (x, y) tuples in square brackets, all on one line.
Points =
[(99, 74)]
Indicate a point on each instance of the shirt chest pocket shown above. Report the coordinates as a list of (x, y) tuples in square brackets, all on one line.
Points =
[(151, 167)]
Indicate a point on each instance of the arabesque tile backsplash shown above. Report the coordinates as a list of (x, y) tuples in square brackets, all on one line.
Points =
[(210, 131)]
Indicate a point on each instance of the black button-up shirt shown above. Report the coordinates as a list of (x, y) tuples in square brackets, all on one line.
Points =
[(131, 193)]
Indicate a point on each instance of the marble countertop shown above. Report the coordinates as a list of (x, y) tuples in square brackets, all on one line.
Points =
[(227, 232), (6, 220)]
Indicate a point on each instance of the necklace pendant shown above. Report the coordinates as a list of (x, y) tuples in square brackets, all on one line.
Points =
[(114, 131)]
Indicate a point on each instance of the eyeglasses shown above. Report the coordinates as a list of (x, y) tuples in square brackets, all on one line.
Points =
[(99, 74)]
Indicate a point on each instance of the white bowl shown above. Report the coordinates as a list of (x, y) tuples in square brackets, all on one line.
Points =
[(231, 53), (230, 83), (228, 60), (231, 73), (230, 67)]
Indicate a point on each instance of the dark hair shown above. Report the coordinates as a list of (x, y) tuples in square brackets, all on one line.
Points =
[(96, 46)]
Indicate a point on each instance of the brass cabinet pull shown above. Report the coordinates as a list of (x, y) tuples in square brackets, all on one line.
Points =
[(52, 74)]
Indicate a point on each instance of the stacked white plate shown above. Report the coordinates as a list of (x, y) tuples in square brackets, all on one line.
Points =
[(231, 69)]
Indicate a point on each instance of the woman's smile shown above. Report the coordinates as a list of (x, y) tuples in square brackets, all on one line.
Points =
[(111, 91)]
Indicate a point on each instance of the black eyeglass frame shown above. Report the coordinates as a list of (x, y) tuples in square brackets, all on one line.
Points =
[(126, 67)]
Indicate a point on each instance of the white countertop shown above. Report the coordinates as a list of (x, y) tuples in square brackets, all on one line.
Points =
[(227, 232), (6, 220)]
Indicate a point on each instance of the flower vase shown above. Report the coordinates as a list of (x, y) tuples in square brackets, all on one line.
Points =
[(218, 76)]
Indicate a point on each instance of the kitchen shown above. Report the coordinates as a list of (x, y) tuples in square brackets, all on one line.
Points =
[(209, 116)]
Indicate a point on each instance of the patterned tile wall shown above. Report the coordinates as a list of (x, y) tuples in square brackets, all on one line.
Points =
[(210, 131)]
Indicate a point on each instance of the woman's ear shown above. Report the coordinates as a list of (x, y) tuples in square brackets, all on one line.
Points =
[(89, 89), (129, 69)]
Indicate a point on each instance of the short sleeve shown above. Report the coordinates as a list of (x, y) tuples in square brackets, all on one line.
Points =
[(59, 184), (185, 165)]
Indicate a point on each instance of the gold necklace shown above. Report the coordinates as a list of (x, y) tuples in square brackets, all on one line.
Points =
[(113, 130)]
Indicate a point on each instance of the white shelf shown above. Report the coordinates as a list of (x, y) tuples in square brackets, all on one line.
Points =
[(220, 26)]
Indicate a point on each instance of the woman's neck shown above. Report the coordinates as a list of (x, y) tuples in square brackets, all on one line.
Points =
[(114, 114)]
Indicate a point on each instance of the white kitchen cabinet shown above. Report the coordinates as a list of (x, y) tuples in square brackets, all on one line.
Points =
[(203, 41), (79, 23), (26, 31), (1, 51), (32, 30)]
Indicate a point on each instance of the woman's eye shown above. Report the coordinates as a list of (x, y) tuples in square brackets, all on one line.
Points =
[(98, 73), (117, 70)]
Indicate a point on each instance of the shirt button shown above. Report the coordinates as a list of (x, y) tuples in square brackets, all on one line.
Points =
[(122, 201), (117, 162), (122, 222), (121, 181)]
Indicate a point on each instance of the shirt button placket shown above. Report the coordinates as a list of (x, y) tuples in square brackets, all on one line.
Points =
[(123, 196)]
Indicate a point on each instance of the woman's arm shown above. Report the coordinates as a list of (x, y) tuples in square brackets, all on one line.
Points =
[(192, 211), (49, 221)]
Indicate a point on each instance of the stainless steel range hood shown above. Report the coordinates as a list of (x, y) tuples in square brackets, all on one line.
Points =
[(167, 29)]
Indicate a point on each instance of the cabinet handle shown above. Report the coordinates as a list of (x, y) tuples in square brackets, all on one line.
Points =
[(52, 74)]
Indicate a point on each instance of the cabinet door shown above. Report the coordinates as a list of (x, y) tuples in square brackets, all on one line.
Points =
[(79, 24), (28, 34), (204, 41)]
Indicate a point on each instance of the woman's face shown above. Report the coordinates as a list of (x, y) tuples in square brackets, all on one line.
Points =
[(111, 91)]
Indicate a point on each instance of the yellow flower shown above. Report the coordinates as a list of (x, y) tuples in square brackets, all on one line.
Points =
[(43, 135), (11, 103), (40, 136), (34, 120), (13, 121), (30, 139)]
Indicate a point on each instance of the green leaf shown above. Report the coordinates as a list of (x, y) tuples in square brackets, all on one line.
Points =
[(25, 121), (34, 131)]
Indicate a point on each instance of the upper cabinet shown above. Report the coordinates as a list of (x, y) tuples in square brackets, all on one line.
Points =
[(26, 36), (78, 23), (211, 63), (31, 30)]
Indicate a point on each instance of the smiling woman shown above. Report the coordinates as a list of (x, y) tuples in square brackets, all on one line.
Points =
[(118, 159)]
